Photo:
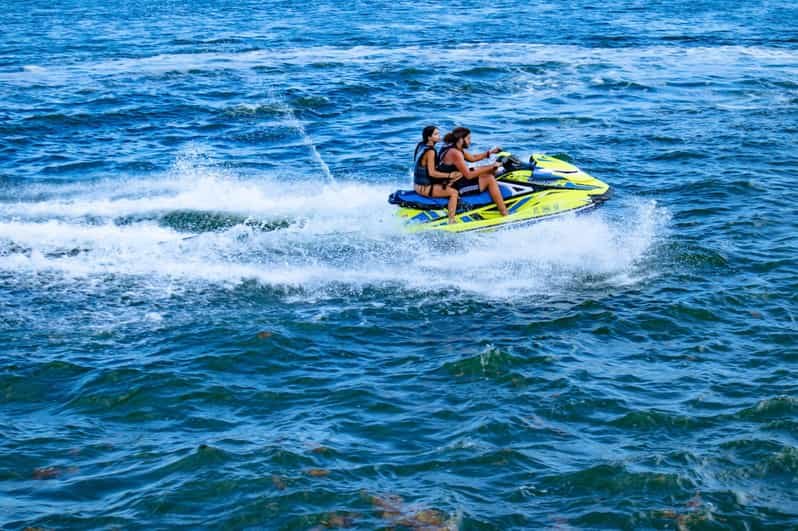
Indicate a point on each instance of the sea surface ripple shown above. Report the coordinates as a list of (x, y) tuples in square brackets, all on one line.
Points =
[(210, 317)]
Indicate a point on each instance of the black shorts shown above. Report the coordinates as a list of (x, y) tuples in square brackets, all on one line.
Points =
[(466, 186)]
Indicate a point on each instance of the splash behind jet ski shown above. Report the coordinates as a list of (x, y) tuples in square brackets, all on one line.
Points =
[(542, 188)]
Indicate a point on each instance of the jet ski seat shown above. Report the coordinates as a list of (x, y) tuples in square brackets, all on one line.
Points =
[(410, 199)]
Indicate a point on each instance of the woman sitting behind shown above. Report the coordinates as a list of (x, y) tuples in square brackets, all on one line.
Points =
[(427, 179), (453, 157)]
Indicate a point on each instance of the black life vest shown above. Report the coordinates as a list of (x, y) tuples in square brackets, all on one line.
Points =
[(446, 168), (420, 174)]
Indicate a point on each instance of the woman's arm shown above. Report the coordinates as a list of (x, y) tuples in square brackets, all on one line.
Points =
[(474, 158), (429, 161), (480, 156), (460, 163)]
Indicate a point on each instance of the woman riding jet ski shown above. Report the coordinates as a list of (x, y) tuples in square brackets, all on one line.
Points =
[(453, 157), (539, 189)]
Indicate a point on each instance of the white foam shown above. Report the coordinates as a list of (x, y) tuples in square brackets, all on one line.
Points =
[(154, 317), (553, 255), (269, 198), (672, 59), (59, 235), (331, 236), (36, 69)]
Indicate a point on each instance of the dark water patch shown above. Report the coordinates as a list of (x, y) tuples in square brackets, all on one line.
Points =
[(762, 460), (684, 39), (307, 102), (327, 65), (412, 72), (775, 408), (57, 119), (204, 456), (541, 68), (620, 85), (53, 123), (222, 95), (138, 167), (259, 111), (73, 167), (695, 313), (480, 72), (742, 85), (554, 101), (33, 383), (126, 394), (576, 405), (564, 120), (351, 509), (661, 327), (770, 264), (198, 41), (614, 41), (356, 91), (65, 520), (607, 479), (259, 137), (679, 155), (202, 424), (492, 363), (660, 420), (216, 395), (786, 426)]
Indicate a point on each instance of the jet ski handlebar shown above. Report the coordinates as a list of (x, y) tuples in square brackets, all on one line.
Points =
[(512, 163)]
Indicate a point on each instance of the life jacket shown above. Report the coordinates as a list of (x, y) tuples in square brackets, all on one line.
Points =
[(420, 174), (446, 168)]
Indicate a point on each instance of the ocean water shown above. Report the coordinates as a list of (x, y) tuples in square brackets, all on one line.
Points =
[(210, 318)]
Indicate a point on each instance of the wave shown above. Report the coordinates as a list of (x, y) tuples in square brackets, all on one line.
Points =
[(667, 57), (612, 478)]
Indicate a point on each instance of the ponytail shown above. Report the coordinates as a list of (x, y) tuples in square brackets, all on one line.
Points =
[(456, 134)]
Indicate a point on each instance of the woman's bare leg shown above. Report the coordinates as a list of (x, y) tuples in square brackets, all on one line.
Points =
[(451, 193), (489, 182), (454, 195)]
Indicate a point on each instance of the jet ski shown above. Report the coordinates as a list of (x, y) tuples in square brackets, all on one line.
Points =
[(542, 188)]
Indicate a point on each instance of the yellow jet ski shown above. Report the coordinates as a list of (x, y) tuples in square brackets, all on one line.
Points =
[(540, 189)]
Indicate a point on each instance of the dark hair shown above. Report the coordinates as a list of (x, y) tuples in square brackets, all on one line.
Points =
[(456, 134), (426, 133)]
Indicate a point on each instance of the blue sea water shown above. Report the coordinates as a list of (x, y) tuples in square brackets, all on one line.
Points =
[(210, 318)]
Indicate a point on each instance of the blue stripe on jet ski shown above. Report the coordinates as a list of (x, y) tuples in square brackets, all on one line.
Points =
[(519, 204)]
